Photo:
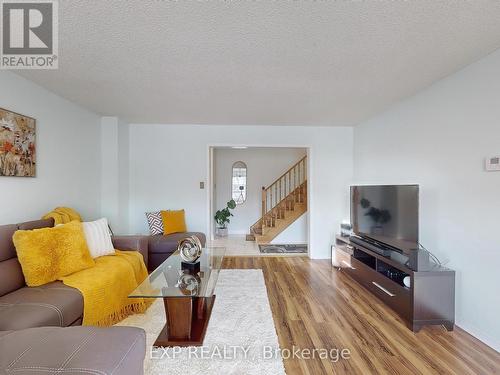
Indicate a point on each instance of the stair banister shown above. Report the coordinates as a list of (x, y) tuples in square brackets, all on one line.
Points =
[(276, 196), (296, 175)]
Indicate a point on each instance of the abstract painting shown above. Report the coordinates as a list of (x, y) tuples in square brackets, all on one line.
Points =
[(17, 145)]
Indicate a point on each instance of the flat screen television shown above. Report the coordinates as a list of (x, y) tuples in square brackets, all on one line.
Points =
[(387, 214)]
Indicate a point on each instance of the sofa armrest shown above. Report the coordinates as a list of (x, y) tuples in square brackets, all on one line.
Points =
[(135, 243)]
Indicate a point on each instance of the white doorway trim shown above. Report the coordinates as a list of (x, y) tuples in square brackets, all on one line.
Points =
[(210, 182)]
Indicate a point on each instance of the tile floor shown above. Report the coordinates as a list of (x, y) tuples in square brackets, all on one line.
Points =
[(237, 245)]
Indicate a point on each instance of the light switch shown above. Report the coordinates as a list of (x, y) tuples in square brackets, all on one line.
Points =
[(202, 185)]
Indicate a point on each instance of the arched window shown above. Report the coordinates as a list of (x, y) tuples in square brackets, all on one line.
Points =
[(239, 182)]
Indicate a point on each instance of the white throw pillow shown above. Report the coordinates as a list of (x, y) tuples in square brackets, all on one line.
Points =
[(98, 238)]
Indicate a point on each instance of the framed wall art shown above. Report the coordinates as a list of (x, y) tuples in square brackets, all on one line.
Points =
[(17, 144)]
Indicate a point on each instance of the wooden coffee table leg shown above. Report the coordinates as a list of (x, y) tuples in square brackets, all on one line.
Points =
[(179, 312), (187, 321)]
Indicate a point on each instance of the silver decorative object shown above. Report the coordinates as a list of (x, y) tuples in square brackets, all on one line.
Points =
[(190, 249), (188, 284)]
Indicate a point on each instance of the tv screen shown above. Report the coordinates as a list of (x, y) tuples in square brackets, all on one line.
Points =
[(387, 214)]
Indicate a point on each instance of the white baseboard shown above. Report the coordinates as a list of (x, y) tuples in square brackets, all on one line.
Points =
[(481, 336), (237, 232), (288, 242)]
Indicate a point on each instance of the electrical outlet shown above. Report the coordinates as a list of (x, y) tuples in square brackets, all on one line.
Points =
[(202, 185)]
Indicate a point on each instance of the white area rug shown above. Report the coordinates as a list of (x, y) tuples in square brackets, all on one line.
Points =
[(240, 337)]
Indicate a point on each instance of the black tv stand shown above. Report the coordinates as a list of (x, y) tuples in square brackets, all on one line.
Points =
[(372, 245), (430, 297)]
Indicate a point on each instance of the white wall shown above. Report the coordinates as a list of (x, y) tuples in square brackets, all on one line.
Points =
[(296, 233), (115, 173), (68, 155), (439, 139), (109, 169), (123, 178), (264, 166), (167, 162)]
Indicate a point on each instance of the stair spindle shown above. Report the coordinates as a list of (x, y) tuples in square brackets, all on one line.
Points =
[(280, 190), (289, 182), (264, 199), (295, 177), (301, 172)]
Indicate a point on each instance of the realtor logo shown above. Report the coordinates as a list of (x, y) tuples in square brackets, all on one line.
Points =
[(29, 34)]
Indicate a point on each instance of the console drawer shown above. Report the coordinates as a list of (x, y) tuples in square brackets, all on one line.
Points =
[(343, 259), (394, 295), (358, 271)]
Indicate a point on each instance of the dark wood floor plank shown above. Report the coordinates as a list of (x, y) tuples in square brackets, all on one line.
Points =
[(317, 306)]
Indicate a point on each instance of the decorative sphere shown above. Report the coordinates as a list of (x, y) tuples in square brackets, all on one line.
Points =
[(190, 249)]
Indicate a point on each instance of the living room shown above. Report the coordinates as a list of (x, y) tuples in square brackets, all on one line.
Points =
[(374, 94)]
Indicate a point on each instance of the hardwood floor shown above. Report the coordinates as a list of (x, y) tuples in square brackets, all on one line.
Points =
[(316, 306)]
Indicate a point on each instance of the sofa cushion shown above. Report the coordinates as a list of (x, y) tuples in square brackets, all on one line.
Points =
[(36, 224), (7, 249), (132, 243), (11, 274), (48, 254), (73, 351), (168, 243), (53, 304)]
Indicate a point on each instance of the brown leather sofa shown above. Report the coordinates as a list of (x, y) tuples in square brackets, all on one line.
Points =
[(53, 306), (160, 246), (73, 351)]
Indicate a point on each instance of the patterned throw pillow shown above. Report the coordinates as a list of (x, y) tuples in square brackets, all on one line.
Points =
[(155, 222)]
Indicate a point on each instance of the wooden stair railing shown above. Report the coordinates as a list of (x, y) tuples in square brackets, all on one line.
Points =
[(282, 195)]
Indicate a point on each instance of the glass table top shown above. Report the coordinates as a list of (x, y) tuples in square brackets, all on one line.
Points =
[(172, 279)]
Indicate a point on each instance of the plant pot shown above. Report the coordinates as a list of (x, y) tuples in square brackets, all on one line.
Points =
[(221, 232)]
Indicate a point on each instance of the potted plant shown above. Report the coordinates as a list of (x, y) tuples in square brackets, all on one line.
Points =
[(222, 218)]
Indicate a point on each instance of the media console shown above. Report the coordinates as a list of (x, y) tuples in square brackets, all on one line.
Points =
[(430, 297)]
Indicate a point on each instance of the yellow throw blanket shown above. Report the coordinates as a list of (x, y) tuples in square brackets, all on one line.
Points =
[(106, 286), (63, 215)]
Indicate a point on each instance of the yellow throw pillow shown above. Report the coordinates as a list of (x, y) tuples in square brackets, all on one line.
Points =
[(173, 222), (48, 254)]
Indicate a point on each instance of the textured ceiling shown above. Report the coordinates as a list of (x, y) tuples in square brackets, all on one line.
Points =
[(245, 62)]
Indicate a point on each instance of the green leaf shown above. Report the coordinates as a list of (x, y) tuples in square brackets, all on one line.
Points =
[(231, 204)]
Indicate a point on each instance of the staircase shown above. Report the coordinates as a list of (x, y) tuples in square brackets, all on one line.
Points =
[(283, 202)]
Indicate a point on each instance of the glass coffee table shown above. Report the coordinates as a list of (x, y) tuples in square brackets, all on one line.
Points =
[(188, 296)]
